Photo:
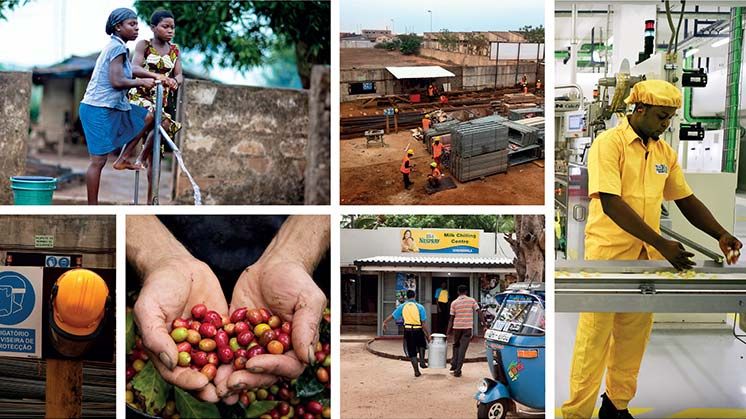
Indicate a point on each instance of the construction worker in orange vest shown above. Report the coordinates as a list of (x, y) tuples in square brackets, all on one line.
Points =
[(432, 91), (524, 83), (437, 150), (406, 168), (434, 177), (425, 123)]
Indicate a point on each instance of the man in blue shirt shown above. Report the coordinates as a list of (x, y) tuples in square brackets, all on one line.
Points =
[(415, 332)]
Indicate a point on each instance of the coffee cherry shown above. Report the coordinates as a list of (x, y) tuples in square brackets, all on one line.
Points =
[(276, 348), (207, 345), (193, 337), (209, 371), (221, 338), (179, 334), (180, 322), (184, 347), (256, 350), (260, 329), (274, 322), (245, 338), (199, 311), (233, 343), (225, 354), (184, 359), (238, 315), (239, 363), (199, 358), (241, 327), (207, 330), (254, 317)]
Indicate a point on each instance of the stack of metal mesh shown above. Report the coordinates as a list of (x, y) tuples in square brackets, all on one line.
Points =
[(22, 389), (518, 114), (526, 132), (479, 148)]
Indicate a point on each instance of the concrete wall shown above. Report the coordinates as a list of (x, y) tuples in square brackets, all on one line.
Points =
[(57, 99), (243, 145), (93, 236), (14, 102), (318, 150), (467, 78)]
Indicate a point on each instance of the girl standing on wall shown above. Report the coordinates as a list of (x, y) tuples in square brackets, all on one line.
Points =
[(109, 121), (157, 58)]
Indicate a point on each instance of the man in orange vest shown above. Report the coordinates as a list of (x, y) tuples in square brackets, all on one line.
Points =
[(406, 168), (425, 123), (437, 150), (434, 177)]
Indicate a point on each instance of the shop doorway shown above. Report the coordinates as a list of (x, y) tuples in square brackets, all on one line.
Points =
[(359, 300), (441, 312)]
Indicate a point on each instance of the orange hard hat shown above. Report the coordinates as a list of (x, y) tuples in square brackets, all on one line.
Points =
[(79, 300)]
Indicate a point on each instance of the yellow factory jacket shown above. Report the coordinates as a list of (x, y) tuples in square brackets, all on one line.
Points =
[(620, 164)]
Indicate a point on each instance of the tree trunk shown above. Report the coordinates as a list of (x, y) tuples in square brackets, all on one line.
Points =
[(528, 246)]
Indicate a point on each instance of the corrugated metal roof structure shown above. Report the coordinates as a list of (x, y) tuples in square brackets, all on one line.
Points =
[(435, 261), (420, 72)]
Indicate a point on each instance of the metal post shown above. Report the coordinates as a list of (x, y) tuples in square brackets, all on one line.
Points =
[(156, 161), (497, 61), (517, 63), (137, 187)]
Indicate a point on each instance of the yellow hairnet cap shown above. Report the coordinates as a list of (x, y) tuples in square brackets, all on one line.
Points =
[(656, 93), (433, 164), (410, 151)]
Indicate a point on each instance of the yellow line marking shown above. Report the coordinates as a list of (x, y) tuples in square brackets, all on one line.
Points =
[(713, 413), (635, 411)]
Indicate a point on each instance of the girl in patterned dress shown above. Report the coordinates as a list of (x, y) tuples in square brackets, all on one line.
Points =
[(157, 58)]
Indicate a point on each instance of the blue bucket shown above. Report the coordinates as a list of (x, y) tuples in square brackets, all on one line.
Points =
[(33, 190)]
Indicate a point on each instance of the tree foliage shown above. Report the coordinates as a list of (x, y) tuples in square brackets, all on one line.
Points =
[(9, 5), (477, 44), (410, 44), (447, 40), (534, 35), (244, 34), (488, 223)]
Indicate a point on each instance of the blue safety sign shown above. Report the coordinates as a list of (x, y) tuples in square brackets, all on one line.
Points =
[(20, 311)]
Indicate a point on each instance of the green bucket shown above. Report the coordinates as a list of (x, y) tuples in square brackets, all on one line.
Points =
[(32, 190)]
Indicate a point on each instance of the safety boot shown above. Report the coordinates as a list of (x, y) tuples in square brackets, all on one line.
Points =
[(609, 411), (413, 360), (422, 359)]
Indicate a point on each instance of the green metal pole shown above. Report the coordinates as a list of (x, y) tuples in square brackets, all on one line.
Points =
[(732, 126)]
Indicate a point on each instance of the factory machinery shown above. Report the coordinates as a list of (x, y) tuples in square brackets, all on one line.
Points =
[(707, 149)]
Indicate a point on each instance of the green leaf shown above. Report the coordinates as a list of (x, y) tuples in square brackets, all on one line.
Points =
[(129, 332), (307, 385), (152, 387), (259, 408), (190, 407)]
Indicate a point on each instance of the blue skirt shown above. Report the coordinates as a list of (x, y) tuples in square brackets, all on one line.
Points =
[(108, 129)]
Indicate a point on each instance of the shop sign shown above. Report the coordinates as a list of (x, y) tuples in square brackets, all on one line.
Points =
[(439, 241)]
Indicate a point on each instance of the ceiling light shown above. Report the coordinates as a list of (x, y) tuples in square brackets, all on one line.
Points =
[(720, 42), (691, 52)]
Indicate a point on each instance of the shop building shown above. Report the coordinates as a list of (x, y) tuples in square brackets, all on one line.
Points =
[(379, 266)]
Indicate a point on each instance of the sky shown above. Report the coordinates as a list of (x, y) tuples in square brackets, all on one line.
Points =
[(456, 16), (44, 32)]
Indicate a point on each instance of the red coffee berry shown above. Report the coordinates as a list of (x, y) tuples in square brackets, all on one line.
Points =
[(199, 311), (238, 315), (245, 338), (195, 325), (180, 322), (130, 373), (265, 314), (221, 338), (239, 363), (184, 347), (284, 338), (254, 316), (283, 408), (199, 358), (243, 353), (209, 371), (314, 407), (241, 327), (286, 327), (256, 350), (225, 355), (215, 318), (327, 348), (208, 330), (320, 356), (267, 337), (193, 337), (284, 394)]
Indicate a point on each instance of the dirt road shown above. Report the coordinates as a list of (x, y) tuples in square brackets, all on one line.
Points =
[(376, 387), (371, 176)]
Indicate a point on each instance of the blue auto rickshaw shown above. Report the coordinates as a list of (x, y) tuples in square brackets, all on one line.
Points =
[(515, 355)]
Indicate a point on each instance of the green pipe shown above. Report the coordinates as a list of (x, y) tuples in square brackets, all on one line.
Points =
[(710, 122), (732, 125)]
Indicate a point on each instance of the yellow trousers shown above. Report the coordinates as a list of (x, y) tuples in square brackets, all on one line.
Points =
[(610, 342)]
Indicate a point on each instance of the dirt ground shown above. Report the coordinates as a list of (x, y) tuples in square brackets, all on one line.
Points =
[(377, 387), (371, 176), (375, 58)]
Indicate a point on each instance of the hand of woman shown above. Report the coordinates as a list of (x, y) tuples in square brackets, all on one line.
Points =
[(147, 83)]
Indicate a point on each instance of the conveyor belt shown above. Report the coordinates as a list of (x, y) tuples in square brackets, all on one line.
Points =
[(648, 286)]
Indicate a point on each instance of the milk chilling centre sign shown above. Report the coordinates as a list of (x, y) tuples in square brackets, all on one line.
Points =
[(439, 241), (20, 312)]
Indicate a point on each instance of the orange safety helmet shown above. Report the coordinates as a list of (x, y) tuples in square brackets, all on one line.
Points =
[(79, 301)]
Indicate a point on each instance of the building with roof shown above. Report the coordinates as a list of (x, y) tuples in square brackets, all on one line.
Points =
[(64, 85), (379, 266)]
